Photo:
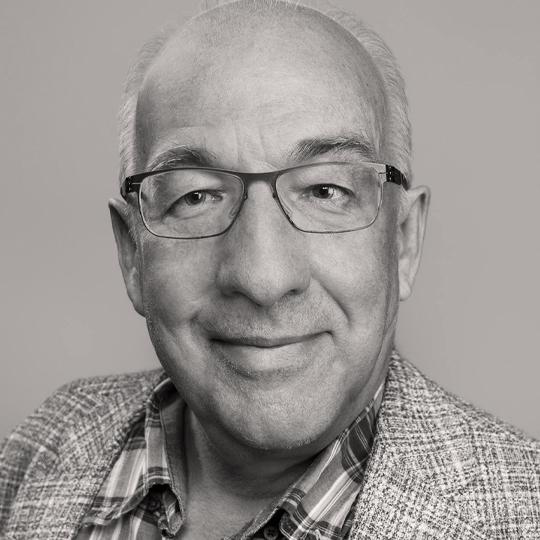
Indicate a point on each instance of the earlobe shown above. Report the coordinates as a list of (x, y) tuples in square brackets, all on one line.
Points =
[(411, 231), (127, 251)]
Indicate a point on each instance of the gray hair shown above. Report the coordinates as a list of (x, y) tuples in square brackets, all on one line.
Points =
[(396, 136)]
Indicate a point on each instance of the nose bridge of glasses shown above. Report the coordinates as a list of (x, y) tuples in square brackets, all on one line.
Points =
[(269, 178)]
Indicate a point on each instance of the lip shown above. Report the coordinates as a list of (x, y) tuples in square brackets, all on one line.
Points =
[(268, 358), (263, 342)]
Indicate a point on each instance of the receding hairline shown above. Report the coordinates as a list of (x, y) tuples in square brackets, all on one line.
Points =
[(396, 124), (209, 28), (304, 44)]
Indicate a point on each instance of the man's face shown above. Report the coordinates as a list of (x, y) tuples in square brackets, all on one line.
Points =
[(273, 336)]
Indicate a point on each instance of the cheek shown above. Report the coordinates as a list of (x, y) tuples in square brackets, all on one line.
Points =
[(359, 271), (176, 276)]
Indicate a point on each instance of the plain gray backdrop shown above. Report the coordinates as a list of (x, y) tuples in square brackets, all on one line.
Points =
[(473, 77)]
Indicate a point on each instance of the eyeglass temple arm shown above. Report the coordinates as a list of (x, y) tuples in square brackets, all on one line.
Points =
[(130, 184), (395, 176)]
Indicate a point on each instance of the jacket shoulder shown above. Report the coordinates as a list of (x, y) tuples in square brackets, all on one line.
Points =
[(102, 389), (484, 428), (73, 402), (423, 393), (487, 467), (35, 446)]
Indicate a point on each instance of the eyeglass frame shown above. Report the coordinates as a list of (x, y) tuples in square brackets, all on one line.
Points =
[(132, 184)]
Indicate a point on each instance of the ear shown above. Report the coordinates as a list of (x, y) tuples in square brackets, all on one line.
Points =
[(127, 251), (412, 226)]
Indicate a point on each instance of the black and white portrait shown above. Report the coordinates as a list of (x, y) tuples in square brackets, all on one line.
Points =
[(270, 270)]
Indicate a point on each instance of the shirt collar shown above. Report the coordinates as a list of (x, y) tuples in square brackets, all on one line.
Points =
[(143, 462)]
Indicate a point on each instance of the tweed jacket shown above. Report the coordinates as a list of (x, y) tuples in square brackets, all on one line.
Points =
[(439, 468)]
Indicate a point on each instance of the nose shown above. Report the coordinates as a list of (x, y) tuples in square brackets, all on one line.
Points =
[(264, 258)]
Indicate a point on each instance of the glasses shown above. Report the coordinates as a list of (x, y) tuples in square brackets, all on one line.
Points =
[(201, 202)]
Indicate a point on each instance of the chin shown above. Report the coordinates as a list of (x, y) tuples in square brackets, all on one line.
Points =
[(281, 420)]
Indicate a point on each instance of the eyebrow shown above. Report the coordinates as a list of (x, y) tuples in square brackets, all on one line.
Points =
[(314, 147), (184, 155)]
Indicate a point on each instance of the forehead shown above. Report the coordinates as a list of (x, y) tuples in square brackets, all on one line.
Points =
[(268, 82)]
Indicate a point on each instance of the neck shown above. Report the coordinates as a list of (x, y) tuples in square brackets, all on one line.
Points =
[(219, 464)]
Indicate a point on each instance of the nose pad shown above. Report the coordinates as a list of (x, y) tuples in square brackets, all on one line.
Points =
[(256, 200), (282, 206), (286, 210), (235, 210)]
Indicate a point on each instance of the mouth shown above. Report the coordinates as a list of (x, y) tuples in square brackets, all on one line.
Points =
[(263, 357), (263, 342)]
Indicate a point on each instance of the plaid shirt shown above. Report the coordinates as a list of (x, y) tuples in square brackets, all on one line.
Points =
[(141, 498)]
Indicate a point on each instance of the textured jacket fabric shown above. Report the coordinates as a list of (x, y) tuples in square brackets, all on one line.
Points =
[(439, 468)]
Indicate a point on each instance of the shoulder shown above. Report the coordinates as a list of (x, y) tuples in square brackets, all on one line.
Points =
[(65, 417), (105, 389), (77, 400), (78, 425), (473, 456), (456, 415)]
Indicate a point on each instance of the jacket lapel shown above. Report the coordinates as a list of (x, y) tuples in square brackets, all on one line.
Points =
[(418, 479), (398, 503)]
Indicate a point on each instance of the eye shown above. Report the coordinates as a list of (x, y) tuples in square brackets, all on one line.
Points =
[(200, 200), (195, 197), (327, 191)]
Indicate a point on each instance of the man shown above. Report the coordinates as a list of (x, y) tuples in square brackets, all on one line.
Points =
[(267, 231)]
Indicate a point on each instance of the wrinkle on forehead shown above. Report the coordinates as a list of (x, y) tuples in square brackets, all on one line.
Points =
[(208, 61)]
